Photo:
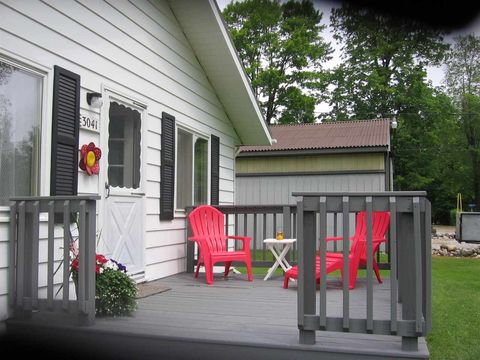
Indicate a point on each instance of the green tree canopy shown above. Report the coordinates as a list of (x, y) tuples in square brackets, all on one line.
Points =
[(282, 50), (384, 62), (383, 74), (463, 84)]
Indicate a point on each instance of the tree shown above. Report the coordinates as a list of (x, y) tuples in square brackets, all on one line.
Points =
[(385, 58), (383, 74), (463, 84), (281, 47)]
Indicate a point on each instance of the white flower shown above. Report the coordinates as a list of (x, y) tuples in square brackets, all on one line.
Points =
[(111, 265)]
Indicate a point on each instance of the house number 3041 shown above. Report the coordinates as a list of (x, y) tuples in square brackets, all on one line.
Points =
[(89, 123)]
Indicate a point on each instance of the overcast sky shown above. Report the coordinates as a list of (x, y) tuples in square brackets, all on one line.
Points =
[(434, 74)]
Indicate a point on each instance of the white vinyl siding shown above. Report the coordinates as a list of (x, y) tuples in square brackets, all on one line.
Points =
[(138, 49)]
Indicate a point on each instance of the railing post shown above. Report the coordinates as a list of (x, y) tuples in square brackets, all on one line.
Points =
[(411, 266), (306, 274), (86, 278)]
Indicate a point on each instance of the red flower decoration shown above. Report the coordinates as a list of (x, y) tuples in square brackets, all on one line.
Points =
[(89, 156)]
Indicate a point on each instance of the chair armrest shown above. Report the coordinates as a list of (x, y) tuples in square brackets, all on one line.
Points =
[(238, 237), (244, 239), (335, 238), (196, 238)]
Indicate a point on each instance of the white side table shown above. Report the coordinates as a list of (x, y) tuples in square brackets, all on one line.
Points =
[(279, 257)]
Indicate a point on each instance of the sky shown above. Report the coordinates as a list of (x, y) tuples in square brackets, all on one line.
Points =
[(434, 74)]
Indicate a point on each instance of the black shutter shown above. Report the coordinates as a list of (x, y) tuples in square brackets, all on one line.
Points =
[(167, 177), (65, 128), (215, 171)]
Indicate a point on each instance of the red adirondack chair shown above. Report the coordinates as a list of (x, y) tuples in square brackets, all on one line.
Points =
[(358, 250), (208, 227)]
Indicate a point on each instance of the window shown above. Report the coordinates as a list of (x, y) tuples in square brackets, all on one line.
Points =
[(124, 132), (20, 119), (192, 170)]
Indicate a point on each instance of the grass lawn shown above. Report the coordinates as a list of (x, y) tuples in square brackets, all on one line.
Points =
[(456, 309)]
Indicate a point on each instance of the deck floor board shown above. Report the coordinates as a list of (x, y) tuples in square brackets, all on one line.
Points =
[(235, 313)]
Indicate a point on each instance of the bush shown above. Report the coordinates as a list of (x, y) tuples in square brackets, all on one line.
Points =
[(115, 293)]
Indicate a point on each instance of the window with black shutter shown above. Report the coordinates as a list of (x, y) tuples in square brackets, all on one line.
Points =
[(167, 177), (215, 171), (65, 129)]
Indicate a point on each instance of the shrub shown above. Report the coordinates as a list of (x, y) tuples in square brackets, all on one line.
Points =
[(115, 293), (115, 290)]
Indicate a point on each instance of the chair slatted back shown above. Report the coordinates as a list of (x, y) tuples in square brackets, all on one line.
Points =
[(380, 223), (209, 222)]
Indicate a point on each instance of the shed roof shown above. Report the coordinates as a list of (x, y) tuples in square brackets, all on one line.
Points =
[(329, 135)]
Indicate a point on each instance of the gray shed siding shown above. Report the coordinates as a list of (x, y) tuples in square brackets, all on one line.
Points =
[(254, 190)]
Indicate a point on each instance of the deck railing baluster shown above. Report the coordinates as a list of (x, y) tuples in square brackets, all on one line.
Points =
[(393, 264), (35, 228), (369, 207), (66, 254), (50, 256), (245, 224), (255, 237), (12, 235), (22, 258), (323, 266), (346, 262), (264, 225)]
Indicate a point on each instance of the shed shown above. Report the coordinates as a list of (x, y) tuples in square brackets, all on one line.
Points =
[(342, 156)]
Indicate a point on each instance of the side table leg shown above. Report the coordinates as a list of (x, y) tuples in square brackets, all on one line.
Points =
[(274, 266)]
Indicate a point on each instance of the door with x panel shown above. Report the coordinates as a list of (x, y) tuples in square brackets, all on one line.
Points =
[(124, 193)]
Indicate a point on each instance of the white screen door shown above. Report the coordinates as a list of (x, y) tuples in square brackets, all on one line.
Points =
[(124, 193)]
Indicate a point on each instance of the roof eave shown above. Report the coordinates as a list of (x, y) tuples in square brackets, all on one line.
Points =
[(206, 32), (296, 152)]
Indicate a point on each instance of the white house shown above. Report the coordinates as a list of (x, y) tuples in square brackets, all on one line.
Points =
[(176, 107)]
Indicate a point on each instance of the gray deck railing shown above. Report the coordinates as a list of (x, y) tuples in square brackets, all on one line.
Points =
[(30, 218), (410, 254)]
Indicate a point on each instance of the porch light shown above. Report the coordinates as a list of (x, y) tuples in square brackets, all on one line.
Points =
[(94, 99)]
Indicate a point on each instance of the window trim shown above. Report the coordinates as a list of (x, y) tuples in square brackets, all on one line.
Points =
[(44, 146), (179, 212)]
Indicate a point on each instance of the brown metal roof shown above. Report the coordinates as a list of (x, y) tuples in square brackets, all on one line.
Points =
[(330, 135)]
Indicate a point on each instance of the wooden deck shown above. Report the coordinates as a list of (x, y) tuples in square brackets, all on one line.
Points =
[(232, 319)]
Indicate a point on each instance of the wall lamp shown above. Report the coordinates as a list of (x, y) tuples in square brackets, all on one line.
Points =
[(94, 99)]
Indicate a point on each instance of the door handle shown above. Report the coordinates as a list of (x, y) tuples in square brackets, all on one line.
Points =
[(107, 187), (139, 194)]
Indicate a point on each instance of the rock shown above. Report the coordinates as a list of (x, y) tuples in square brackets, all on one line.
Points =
[(451, 247), (466, 252)]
